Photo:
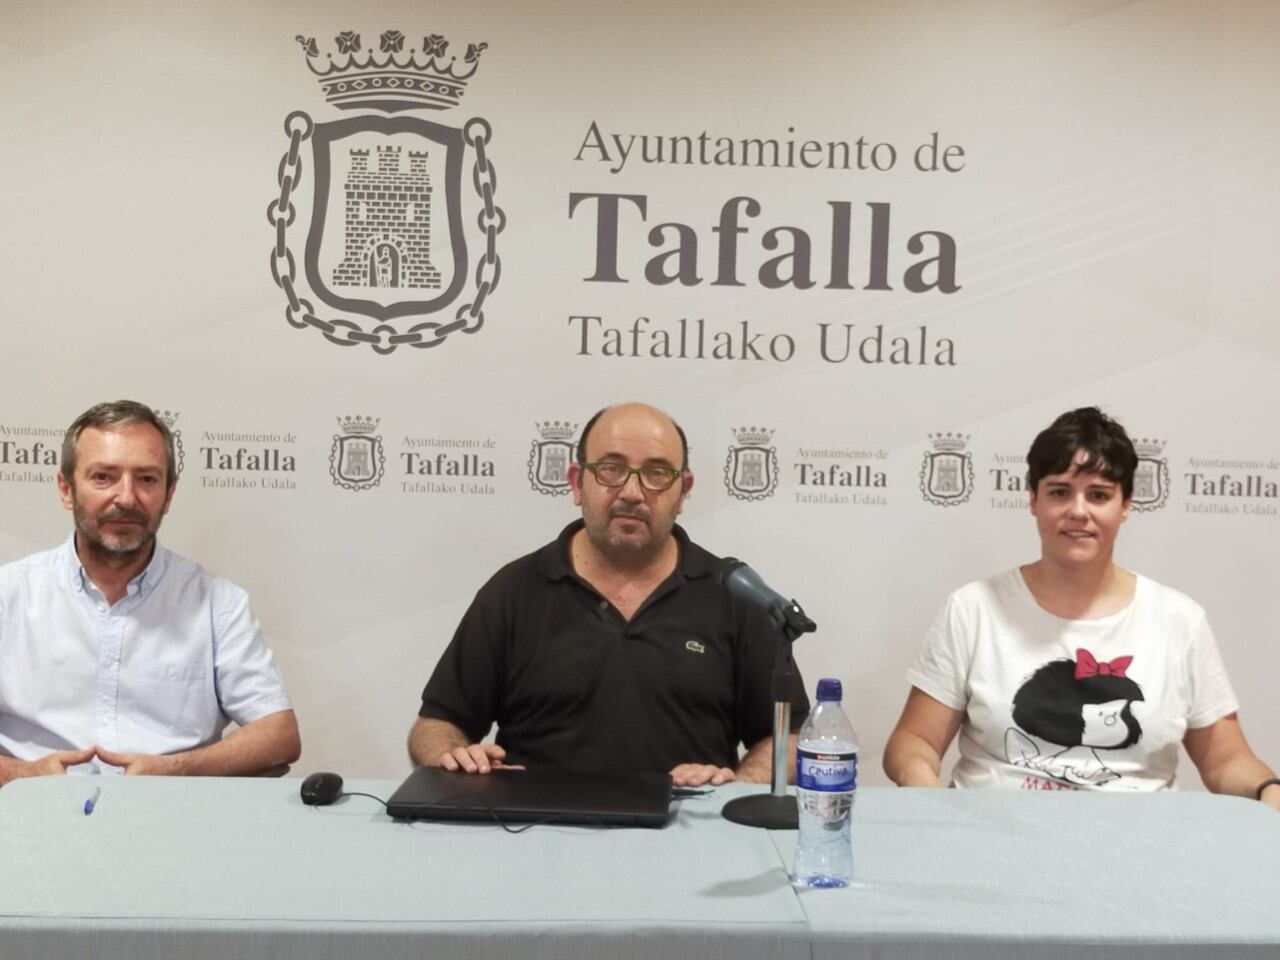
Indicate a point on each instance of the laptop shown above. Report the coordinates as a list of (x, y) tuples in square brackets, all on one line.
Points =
[(540, 795)]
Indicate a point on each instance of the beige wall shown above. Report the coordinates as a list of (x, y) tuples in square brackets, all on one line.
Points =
[(1113, 237)]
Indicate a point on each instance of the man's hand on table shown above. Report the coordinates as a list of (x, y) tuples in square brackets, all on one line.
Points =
[(141, 764), (51, 764), (476, 758), (700, 774)]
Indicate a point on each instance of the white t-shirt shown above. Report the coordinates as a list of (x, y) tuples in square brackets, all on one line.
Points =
[(1072, 704)]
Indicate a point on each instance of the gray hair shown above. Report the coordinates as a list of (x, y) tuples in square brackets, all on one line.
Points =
[(117, 413)]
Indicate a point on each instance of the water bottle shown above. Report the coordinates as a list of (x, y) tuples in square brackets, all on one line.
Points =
[(826, 780)]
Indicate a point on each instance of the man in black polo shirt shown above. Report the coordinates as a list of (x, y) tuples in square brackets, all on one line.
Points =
[(616, 646)]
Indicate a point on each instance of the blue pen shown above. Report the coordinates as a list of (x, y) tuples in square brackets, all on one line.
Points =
[(92, 801)]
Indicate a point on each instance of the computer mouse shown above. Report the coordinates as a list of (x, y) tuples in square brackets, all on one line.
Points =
[(321, 789)]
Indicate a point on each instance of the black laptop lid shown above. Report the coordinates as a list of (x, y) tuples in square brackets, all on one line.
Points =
[(550, 794)]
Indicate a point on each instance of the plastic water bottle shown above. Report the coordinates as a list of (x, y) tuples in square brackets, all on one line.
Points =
[(826, 782)]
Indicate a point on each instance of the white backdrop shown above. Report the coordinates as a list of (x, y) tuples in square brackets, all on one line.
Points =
[(1105, 232)]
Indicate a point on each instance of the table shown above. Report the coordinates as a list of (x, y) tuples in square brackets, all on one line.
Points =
[(239, 868), (989, 875)]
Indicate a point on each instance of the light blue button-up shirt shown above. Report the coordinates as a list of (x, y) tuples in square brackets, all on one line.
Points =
[(161, 671)]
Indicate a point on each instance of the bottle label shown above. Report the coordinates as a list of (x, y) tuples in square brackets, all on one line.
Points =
[(826, 772)]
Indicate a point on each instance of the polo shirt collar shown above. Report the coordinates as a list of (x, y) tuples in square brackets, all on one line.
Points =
[(692, 561)]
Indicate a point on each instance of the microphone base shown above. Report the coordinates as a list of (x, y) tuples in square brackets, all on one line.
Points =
[(763, 810)]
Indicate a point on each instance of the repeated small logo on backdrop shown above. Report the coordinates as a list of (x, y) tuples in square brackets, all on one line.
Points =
[(1007, 481), (1231, 486), (29, 454), (248, 459), (751, 469), (357, 460), (550, 456), (840, 475), (386, 239), (1151, 478), (170, 418), (946, 475)]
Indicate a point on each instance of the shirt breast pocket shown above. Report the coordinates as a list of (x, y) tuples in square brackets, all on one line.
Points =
[(170, 699)]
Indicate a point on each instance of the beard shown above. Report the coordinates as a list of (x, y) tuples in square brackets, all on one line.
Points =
[(623, 547), (118, 546)]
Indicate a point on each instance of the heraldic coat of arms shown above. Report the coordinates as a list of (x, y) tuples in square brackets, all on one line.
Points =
[(373, 220)]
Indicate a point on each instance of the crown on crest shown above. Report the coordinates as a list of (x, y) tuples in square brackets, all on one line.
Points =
[(358, 426), (557, 429), (168, 417), (1148, 448), (949, 442), (752, 436), (391, 78)]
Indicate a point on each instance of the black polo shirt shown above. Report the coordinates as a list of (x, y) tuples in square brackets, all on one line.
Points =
[(568, 680)]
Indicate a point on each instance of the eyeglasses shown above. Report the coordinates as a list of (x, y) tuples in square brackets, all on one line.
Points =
[(653, 476)]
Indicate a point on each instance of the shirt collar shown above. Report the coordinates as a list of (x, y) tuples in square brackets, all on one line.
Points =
[(142, 584), (692, 561)]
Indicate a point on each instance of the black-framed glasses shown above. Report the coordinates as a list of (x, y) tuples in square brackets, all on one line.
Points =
[(655, 477)]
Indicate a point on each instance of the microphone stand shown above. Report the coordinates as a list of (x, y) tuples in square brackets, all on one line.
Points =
[(776, 810)]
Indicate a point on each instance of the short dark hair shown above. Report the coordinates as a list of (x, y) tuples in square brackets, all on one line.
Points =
[(582, 440), (1108, 450), (107, 416), (1050, 703)]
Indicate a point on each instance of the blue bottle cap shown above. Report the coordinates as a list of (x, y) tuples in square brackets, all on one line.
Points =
[(829, 689)]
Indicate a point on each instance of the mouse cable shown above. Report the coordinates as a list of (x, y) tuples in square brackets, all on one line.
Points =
[(355, 793)]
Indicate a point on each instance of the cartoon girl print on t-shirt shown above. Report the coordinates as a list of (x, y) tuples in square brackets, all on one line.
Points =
[(1074, 708)]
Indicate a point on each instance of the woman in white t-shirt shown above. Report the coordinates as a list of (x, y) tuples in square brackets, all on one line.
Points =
[(1070, 672)]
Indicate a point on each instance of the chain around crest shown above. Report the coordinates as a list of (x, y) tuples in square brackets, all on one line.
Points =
[(384, 339)]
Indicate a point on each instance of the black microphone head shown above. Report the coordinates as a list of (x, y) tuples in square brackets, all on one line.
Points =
[(745, 584), (727, 566)]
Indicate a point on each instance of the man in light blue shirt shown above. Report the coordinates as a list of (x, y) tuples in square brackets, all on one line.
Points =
[(118, 653)]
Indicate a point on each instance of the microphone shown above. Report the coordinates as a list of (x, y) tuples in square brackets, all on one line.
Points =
[(745, 584), (776, 809)]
